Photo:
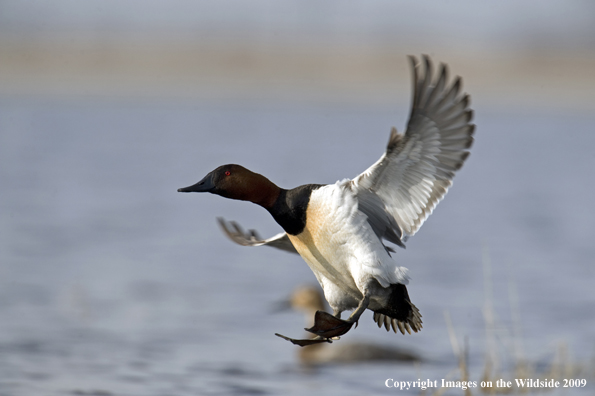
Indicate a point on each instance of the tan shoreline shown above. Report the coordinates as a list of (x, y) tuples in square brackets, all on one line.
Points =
[(316, 73)]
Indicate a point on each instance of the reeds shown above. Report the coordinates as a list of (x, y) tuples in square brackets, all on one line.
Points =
[(559, 368)]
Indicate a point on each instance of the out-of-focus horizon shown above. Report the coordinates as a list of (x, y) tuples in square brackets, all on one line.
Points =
[(530, 53)]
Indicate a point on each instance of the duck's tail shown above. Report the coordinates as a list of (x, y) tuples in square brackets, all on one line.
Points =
[(399, 313)]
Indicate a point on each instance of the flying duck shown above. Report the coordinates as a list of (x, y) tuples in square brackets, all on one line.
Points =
[(340, 229)]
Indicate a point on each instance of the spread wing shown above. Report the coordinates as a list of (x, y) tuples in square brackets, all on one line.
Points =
[(251, 238), (417, 169)]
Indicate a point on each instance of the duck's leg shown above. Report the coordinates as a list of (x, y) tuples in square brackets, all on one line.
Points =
[(302, 343), (328, 326)]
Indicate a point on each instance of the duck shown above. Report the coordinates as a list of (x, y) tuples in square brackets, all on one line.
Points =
[(308, 299), (347, 232)]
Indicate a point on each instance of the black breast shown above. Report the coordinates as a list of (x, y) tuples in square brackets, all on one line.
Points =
[(290, 208)]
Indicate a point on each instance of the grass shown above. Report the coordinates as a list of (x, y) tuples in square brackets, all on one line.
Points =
[(560, 366)]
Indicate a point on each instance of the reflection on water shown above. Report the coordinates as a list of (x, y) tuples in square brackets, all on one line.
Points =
[(113, 283)]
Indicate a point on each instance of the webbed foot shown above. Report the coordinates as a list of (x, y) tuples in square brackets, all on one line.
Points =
[(329, 326), (303, 343)]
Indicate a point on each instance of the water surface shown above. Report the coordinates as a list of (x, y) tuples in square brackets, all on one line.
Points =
[(112, 283)]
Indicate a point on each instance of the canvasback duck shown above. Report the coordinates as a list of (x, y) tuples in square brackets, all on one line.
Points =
[(308, 299), (340, 229)]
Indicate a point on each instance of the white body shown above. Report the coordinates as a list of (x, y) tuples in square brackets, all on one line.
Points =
[(343, 251)]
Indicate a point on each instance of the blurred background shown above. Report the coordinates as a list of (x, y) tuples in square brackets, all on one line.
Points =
[(112, 283)]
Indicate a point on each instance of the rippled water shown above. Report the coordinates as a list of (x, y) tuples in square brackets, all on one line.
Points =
[(111, 283)]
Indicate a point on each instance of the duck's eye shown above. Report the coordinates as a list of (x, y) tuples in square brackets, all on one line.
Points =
[(227, 173)]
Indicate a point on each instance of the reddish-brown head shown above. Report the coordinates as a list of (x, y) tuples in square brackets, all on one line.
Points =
[(236, 182)]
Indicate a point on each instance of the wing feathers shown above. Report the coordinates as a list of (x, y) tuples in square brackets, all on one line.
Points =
[(251, 238), (417, 169)]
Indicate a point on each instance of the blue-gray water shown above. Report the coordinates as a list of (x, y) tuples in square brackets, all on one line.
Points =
[(112, 283)]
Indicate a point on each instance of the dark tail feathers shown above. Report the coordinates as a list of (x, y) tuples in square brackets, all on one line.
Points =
[(400, 313)]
